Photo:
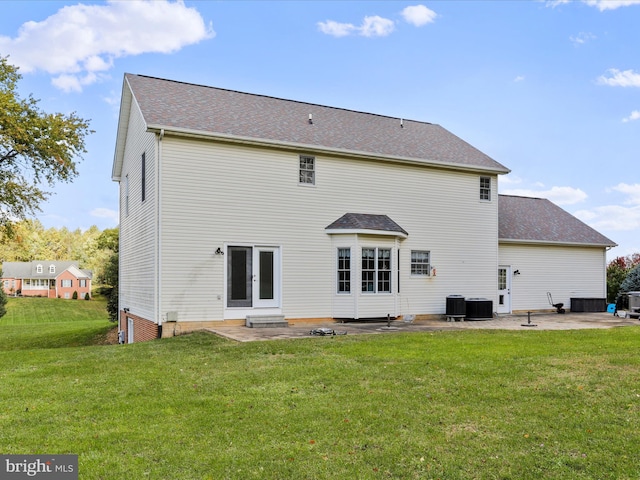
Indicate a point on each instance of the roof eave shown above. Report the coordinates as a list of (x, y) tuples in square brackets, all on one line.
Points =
[(364, 231), (156, 128), (557, 243), (123, 126)]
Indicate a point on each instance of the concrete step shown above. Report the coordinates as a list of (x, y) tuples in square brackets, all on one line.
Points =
[(265, 321)]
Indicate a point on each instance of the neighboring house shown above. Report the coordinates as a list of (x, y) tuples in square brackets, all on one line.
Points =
[(236, 207), (41, 278)]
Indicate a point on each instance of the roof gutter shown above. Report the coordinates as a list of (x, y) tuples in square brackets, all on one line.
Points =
[(556, 243), (235, 139)]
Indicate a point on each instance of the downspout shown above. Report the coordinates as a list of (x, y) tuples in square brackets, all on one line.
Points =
[(158, 285)]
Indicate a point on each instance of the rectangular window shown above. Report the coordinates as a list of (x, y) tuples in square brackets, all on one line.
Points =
[(420, 262), (82, 282), (126, 195), (66, 283), (307, 170), (485, 188), (344, 270), (144, 176), (376, 270), (39, 269), (52, 269)]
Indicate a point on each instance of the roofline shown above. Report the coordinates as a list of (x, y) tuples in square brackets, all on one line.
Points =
[(364, 231), (184, 132), (556, 243)]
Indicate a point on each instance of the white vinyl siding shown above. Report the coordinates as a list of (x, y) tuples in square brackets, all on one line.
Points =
[(564, 271), (206, 205), (138, 225)]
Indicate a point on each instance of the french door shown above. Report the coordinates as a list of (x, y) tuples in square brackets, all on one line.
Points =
[(253, 276)]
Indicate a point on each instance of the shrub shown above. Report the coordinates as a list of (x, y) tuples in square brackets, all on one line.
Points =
[(75, 295), (87, 297)]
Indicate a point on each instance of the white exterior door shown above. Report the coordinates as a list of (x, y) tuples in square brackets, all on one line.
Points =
[(129, 330), (266, 277), (253, 277), (504, 289)]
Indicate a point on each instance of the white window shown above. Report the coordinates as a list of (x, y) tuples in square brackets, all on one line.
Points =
[(52, 269), (420, 262), (376, 270), (344, 270), (39, 268), (126, 195), (485, 188), (66, 283), (82, 282), (307, 170)]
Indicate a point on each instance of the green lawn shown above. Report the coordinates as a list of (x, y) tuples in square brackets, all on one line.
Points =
[(450, 405)]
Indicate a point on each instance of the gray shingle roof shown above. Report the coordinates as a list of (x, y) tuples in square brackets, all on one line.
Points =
[(366, 221), (188, 108), (30, 269), (527, 219)]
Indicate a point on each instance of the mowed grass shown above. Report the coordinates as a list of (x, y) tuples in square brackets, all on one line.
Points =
[(449, 405)]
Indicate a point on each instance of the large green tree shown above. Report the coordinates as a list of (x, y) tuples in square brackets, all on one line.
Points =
[(37, 149)]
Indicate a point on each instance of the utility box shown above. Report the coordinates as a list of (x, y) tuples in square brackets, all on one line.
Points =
[(479, 309), (172, 316), (634, 304)]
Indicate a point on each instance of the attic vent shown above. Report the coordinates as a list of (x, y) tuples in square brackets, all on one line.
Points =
[(311, 119), (401, 123)]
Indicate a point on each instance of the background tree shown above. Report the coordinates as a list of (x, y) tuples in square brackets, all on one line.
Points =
[(617, 271), (109, 241), (3, 301), (37, 149)]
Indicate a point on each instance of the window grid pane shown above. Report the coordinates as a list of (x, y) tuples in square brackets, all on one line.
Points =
[(307, 170), (344, 270), (485, 188), (368, 269), (384, 270), (420, 264)]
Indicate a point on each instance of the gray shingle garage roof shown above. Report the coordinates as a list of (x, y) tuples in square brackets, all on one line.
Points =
[(537, 220)]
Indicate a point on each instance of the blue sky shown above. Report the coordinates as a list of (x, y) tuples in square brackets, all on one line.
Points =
[(551, 89)]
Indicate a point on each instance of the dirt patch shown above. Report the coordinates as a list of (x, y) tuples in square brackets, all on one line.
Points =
[(108, 338)]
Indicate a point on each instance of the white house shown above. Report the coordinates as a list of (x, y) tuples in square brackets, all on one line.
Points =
[(237, 207)]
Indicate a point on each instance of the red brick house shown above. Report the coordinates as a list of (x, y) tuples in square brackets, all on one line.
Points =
[(42, 278)]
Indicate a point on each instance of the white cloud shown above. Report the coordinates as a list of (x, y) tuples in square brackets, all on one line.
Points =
[(105, 213), (631, 191), (558, 195), (519, 78), (419, 15), (582, 38), (603, 5), (510, 179), (611, 217), (635, 115), (374, 26), (627, 78), (336, 29), (79, 43), (623, 217)]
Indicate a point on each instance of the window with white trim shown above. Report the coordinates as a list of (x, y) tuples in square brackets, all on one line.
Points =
[(344, 270), (66, 283), (420, 262), (126, 195), (307, 170), (52, 269), (39, 268), (485, 188), (82, 282), (376, 270)]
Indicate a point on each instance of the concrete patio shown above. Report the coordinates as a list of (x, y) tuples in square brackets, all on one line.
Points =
[(539, 321)]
